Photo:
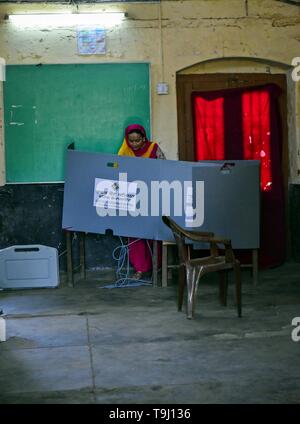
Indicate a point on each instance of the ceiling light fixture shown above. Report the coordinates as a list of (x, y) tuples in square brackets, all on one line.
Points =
[(67, 19)]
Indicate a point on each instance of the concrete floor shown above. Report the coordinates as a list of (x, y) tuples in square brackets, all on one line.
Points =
[(130, 345)]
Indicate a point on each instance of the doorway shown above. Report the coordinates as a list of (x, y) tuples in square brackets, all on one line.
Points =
[(241, 116)]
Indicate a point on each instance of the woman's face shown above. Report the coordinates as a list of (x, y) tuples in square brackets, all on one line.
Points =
[(136, 140)]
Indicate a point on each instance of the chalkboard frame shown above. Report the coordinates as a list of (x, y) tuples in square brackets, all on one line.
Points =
[(40, 122)]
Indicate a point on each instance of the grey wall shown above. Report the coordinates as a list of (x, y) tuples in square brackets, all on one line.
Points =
[(78, 1)]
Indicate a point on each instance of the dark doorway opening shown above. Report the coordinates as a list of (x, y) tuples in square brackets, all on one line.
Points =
[(241, 116)]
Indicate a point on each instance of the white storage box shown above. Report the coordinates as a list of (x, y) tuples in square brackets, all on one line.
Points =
[(29, 266)]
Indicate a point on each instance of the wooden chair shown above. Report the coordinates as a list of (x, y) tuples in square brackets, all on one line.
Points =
[(191, 270)]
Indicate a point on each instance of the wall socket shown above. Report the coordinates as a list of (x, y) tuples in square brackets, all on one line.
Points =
[(162, 88)]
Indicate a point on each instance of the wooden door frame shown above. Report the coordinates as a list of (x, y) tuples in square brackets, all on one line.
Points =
[(187, 84)]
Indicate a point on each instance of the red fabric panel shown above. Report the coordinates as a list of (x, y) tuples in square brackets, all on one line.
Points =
[(209, 128), (257, 132)]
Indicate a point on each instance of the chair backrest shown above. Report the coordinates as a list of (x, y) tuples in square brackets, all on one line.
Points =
[(181, 234), (204, 235)]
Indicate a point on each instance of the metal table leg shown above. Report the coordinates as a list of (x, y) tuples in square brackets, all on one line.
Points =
[(82, 255), (69, 259), (155, 265)]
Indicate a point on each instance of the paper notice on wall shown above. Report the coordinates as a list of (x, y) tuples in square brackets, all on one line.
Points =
[(115, 194), (91, 41)]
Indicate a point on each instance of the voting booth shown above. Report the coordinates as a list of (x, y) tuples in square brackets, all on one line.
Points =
[(129, 195)]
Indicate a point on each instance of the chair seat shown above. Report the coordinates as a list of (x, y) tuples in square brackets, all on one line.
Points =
[(211, 260), (211, 266)]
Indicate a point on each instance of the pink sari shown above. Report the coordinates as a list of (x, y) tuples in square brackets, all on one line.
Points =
[(140, 254)]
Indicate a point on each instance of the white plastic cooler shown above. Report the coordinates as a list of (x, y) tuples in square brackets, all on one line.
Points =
[(29, 266)]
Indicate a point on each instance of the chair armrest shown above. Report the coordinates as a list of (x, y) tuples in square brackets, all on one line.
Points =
[(197, 235), (206, 237)]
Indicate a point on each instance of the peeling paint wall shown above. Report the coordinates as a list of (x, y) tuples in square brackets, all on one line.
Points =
[(174, 36)]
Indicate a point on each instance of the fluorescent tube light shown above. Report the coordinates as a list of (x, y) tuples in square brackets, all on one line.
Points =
[(68, 19), (2, 69)]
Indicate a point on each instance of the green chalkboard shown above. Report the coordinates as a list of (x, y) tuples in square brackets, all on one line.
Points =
[(47, 107)]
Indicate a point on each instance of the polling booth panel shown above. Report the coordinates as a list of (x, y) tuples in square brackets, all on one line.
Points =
[(129, 195), (232, 201)]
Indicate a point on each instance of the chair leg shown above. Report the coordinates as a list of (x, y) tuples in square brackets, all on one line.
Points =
[(238, 287), (192, 277), (223, 286), (181, 285)]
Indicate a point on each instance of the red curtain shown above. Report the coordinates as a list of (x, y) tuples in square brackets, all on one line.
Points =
[(257, 132), (244, 124), (209, 127)]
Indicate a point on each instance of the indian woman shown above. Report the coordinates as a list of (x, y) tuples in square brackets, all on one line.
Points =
[(136, 144)]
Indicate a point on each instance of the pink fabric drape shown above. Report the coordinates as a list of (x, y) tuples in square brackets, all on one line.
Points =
[(140, 254)]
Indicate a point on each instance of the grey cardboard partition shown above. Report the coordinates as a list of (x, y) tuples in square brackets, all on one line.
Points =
[(129, 195), (79, 212), (232, 201)]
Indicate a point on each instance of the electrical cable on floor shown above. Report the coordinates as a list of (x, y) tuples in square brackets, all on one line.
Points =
[(121, 255)]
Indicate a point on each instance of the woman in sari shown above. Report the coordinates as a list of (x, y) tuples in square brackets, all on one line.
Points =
[(137, 144)]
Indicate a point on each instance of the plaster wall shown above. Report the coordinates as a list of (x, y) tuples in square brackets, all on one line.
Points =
[(176, 36)]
